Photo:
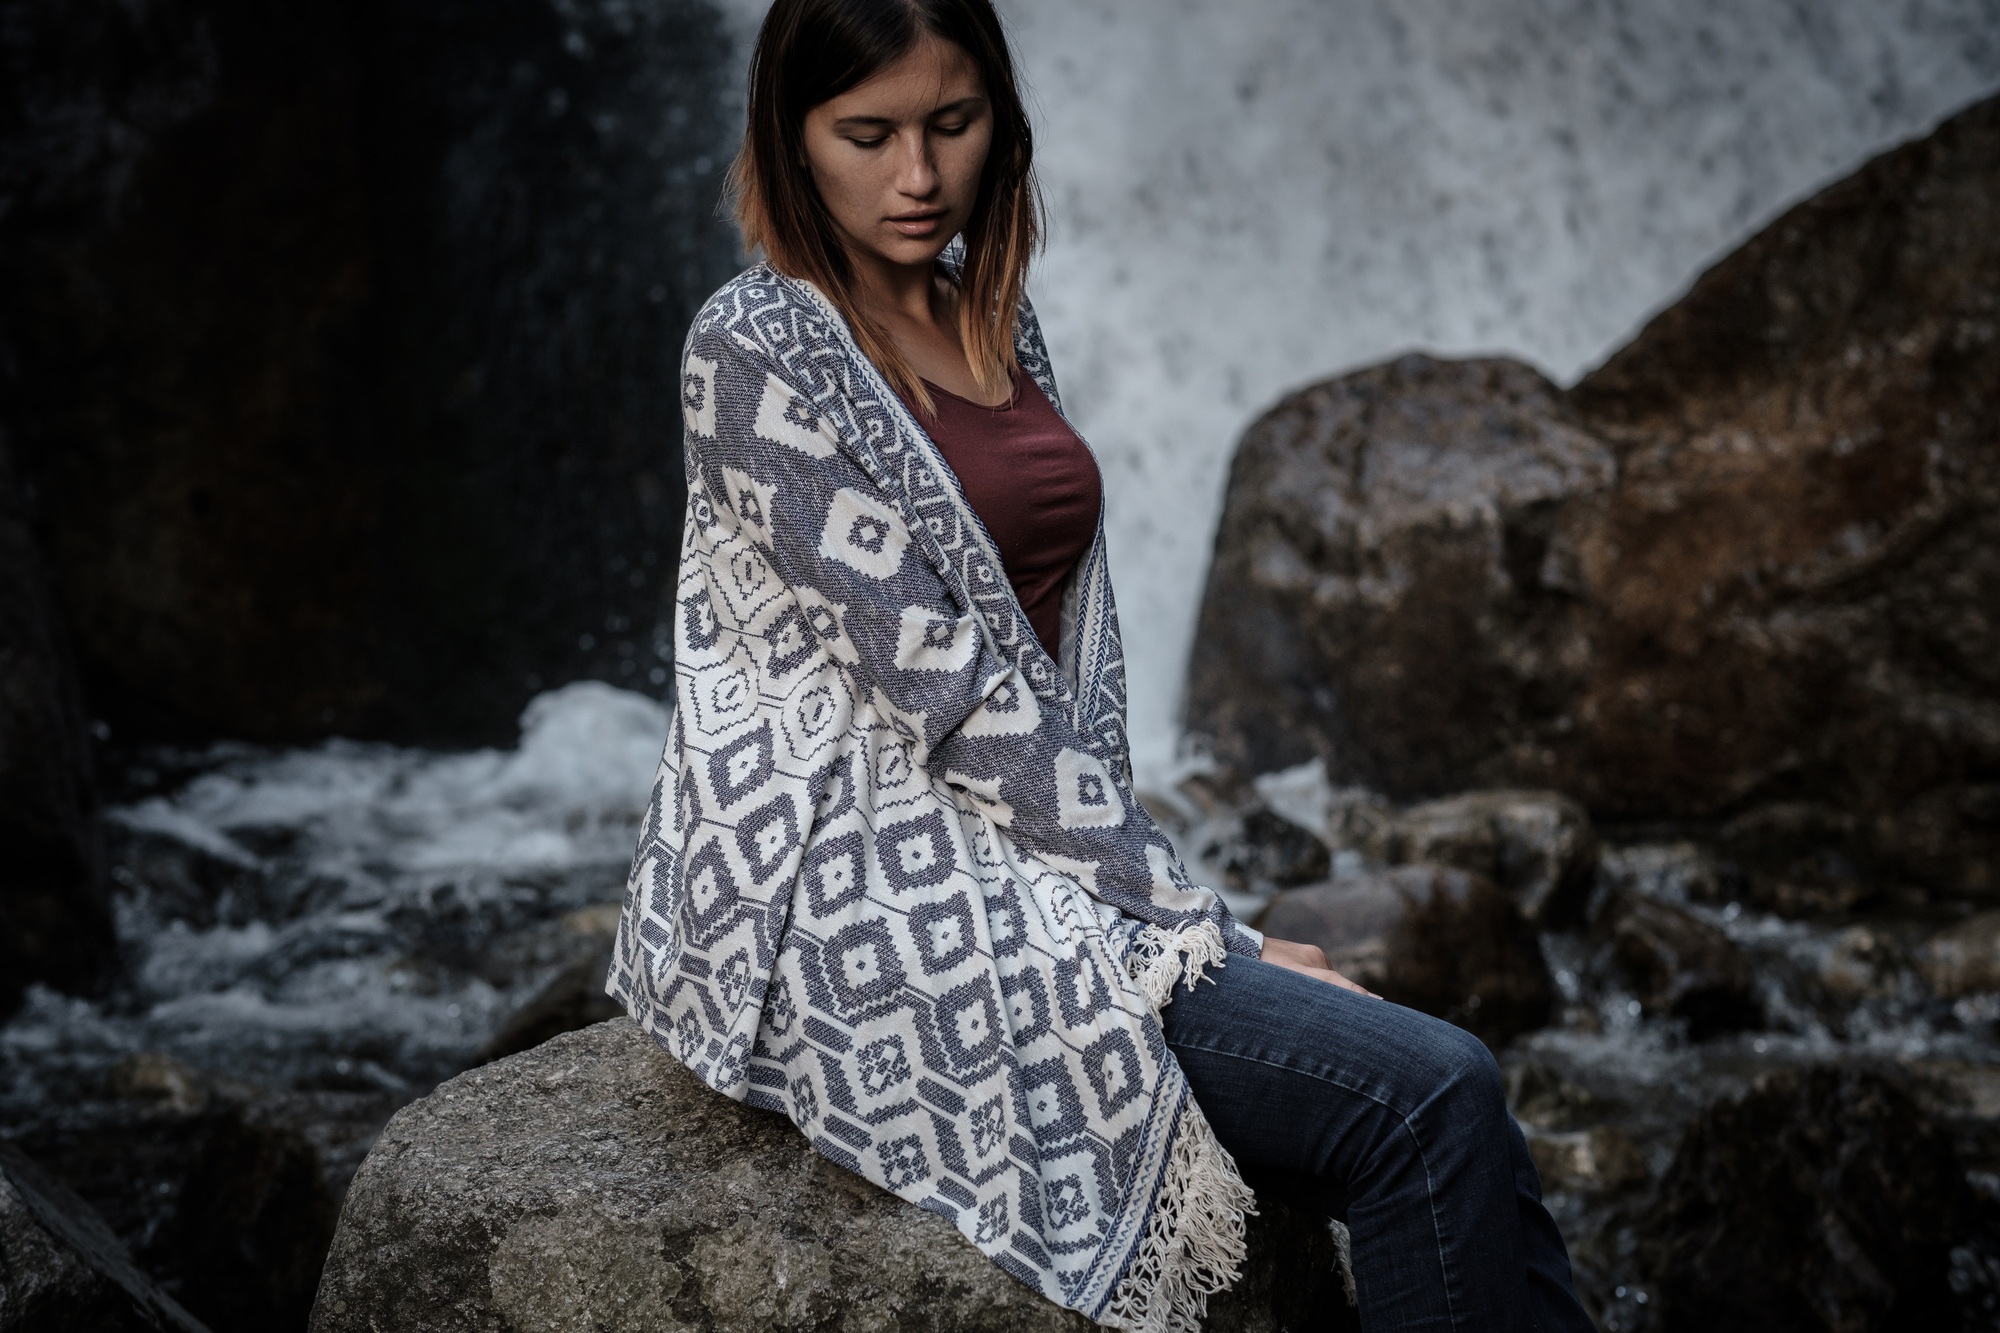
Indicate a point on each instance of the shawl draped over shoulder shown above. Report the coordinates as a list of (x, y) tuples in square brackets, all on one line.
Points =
[(894, 883)]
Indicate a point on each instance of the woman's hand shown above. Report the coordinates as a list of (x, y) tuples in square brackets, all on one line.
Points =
[(1309, 959)]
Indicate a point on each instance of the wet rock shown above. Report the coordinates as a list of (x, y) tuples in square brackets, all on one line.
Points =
[(1600, 1160), (1539, 846), (1675, 872), (1679, 965), (203, 886), (1824, 1199), (1748, 563), (1364, 528), (1964, 959), (573, 997), (226, 1206), (1259, 850), (61, 1269), (1434, 938), (1541, 1097), (1862, 963), (341, 345), (55, 922), (1804, 859), (593, 1183)]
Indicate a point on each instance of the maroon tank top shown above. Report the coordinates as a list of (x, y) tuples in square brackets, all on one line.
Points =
[(1033, 484)]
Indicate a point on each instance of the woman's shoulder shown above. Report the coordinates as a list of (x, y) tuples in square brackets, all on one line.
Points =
[(759, 311)]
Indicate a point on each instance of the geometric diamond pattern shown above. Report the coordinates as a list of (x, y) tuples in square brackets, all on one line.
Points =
[(893, 873)]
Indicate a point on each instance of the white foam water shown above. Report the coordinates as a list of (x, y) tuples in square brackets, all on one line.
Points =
[(357, 915)]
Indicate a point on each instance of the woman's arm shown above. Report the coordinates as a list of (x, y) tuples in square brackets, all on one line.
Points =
[(767, 467)]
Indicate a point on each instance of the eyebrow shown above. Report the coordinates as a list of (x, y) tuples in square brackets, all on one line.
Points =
[(962, 104)]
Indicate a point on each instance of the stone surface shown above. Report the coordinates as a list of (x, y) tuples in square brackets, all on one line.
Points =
[(1677, 872), (340, 341), (1752, 561), (55, 921), (1964, 959), (61, 1269), (1260, 850), (1824, 1199), (1539, 846), (1862, 963), (594, 1184), (1600, 1160), (1434, 938), (1678, 965), (574, 996), (225, 1205)]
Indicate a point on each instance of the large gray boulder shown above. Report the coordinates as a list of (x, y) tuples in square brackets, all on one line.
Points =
[(592, 1183), (1746, 571), (61, 1269)]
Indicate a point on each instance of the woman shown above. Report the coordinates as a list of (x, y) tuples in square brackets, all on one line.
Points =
[(894, 883)]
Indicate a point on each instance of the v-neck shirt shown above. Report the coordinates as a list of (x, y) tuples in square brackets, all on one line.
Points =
[(1033, 483)]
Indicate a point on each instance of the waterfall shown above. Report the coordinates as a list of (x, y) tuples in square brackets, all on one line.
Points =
[(1250, 195)]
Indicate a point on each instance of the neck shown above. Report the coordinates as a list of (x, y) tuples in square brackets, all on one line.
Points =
[(906, 291)]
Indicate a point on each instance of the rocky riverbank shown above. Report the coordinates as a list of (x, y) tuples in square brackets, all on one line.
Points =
[(1665, 1035), (593, 1183)]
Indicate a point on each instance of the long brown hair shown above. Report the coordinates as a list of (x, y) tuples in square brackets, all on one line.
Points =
[(809, 51)]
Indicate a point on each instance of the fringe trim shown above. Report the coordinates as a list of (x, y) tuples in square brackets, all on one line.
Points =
[(1161, 957), (1343, 1258), (1193, 1246)]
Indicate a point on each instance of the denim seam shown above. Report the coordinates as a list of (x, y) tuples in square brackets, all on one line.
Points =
[(1402, 1118)]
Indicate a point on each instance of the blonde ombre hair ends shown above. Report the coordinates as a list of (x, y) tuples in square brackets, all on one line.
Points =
[(809, 51)]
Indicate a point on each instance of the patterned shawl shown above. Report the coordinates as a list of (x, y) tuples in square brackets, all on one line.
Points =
[(894, 882)]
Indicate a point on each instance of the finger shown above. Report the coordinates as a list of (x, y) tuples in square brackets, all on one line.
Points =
[(1346, 984)]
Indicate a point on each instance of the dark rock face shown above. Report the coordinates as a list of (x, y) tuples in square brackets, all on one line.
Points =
[(1750, 562), (1679, 965), (1431, 937), (55, 922), (61, 1269), (593, 1183), (574, 996), (1822, 1200), (1964, 959), (1363, 537), (341, 342), (1539, 846), (1263, 850), (227, 1207)]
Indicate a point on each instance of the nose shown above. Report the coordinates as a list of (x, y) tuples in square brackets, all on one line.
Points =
[(916, 174)]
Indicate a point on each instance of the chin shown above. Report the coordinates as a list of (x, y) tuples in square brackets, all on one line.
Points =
[(910, 251)]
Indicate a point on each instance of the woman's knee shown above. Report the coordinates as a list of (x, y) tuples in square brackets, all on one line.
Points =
[(1447, 1064)]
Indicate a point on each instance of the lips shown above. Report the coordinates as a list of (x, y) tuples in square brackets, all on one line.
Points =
[(920, 223)]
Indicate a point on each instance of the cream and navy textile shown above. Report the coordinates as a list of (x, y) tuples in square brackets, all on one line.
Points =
[(894, 882)]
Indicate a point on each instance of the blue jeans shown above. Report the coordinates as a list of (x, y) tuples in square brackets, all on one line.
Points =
[(1402, 1117)]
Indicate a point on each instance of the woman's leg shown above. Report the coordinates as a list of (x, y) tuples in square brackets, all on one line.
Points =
[(1405, 1115)]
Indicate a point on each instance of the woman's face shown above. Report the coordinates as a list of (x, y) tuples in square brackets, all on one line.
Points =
[(897, 159)]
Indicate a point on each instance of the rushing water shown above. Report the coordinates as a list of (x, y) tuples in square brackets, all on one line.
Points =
[(341, 927), (349, 917)]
